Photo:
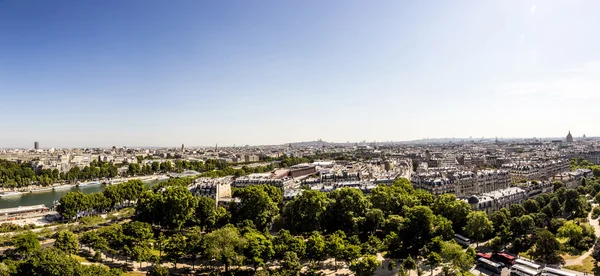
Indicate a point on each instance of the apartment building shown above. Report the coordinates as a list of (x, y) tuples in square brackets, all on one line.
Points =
[(263, 178), (216, 188), (536, 171), (535, 188), (495, 200), (462, 183), (435, 183), (592, 157)]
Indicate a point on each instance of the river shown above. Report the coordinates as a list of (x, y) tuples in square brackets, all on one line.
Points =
[(48, 198)]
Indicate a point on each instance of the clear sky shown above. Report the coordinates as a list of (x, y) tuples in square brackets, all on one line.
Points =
[(161, 73)]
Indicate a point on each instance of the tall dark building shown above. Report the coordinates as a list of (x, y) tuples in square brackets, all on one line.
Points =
[(569, 137), (36, 145)]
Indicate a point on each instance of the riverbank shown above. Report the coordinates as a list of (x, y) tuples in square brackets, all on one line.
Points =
[(67, 185), (48, 197)]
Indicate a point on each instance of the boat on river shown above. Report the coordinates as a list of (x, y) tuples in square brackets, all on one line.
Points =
[(93, 183), (62, 187), (41, 190), (10, 194)]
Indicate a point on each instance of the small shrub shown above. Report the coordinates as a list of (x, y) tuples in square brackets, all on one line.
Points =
[(596, 212), (97, 257)]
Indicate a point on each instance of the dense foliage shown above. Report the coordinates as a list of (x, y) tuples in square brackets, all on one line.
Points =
[(172, 225)]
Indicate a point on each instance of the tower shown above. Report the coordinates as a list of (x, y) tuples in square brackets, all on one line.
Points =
[(182, 148), (569, 137), (36, 145)]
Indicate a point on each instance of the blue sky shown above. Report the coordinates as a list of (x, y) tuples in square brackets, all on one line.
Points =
[(162, 73)]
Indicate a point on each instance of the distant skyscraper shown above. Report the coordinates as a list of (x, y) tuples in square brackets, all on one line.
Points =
[(182, 147), (36, 145), (569, 137)]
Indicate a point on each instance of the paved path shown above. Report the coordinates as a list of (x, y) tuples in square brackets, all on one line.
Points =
[(593, 223)]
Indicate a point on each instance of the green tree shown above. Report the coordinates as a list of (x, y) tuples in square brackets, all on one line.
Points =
[(335, 245), (372, 246), (194, 244), (442, 227), (224, 244), (478, 226), (206, 214), (291, 263), (409, 263), (572, 203), (517, 210), (50, 262), (374, 220), (175, 248), (304, 213), (401, 271), (93, 240), (350, 252), (67, 242), (258, 250), (114, 195), (453, 253), (98, 270), (71, 204), (26, 243), (158, 270), (346, 207), (141, 254), (392, 199), (448, 206), (178, 205), (255, 205), (114, 236), (284, 242), (391, 266), (531, 206), (365, 266), (557, 184), (418, 228), (572, 231), (596, 252), (316, 247), (500, 219), (434, 259), (547, 247)]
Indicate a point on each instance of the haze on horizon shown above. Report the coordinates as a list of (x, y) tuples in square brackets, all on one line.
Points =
[(163, 73)]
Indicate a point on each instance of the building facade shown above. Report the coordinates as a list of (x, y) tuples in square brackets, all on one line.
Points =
[(494, 201), (462, 184)]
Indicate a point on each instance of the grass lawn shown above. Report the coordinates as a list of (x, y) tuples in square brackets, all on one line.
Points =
[(526, 255), (133, 273), (569, 257), (79, 258), (588, 265)]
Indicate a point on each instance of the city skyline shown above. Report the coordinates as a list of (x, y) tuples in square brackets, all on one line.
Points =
[(420, 140), (82, 74)]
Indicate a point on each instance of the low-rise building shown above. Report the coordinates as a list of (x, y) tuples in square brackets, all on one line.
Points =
[(302, 170)]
